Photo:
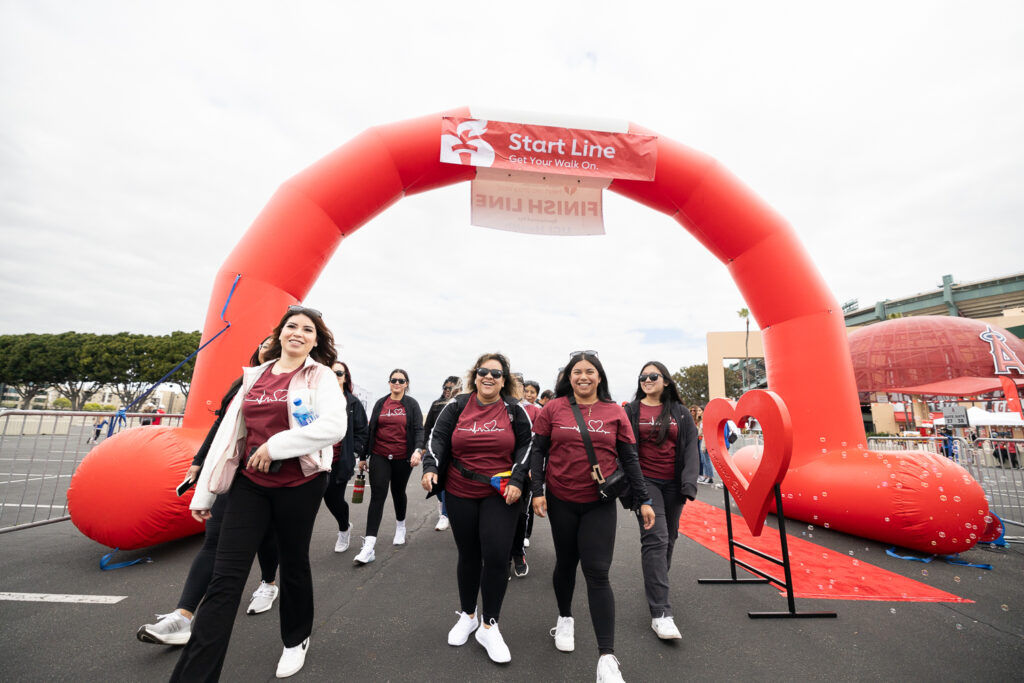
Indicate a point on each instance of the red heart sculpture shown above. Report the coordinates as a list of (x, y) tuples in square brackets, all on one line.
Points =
[(754, 497)]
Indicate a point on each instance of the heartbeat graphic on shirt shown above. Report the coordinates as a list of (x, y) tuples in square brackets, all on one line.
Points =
[(593, 426), (652, 423), (491, 426), (279, 396), (394, 412)]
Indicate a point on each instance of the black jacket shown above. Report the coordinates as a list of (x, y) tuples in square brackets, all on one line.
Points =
[(687, 453), (438, 456), (353, 446), (413, 425)]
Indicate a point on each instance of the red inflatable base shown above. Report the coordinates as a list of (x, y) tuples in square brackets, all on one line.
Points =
[(123, 493), (912, 499)]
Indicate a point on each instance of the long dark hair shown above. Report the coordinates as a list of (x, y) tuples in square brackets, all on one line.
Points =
[(669, 397), (323, 349), (508, 389), (346, 386), (564, 388)]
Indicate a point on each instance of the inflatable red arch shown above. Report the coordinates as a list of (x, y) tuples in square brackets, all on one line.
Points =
[(123, 493)]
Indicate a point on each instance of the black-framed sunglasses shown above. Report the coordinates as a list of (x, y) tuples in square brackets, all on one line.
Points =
[(588, 352), (295, 308), (397, 380), (652, 376), (496, 373), (339, 373)]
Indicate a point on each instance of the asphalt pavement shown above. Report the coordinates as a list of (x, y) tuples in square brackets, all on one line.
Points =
[(388, 621)]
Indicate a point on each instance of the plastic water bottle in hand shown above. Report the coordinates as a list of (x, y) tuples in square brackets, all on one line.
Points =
[(302, 414)]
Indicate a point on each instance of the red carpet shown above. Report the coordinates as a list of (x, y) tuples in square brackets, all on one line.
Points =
[(818, 572)]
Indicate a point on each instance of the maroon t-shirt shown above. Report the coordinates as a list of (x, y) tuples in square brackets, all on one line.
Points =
[(482, 442), (265, 411), (657, 461), (568, 469), (389, 439), (532, 409)]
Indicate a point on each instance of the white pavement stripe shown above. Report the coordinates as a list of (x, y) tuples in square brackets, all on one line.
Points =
[(25, 481), (59, 597), (25, 505)]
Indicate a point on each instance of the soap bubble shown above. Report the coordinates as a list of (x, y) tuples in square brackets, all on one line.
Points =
[(1005, 608), (810, 527), (942, 534), (826, 525), (942, 498), (956, 499), (924, 572), (959, 627), (957, 579), (851, 553), (892, 610)]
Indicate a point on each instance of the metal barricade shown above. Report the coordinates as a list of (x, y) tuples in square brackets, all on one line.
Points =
[(39, 451), (988, 460)]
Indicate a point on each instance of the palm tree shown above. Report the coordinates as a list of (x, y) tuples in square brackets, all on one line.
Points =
[(745, 315)]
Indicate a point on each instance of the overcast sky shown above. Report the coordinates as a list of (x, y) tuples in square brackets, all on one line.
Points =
[(138, 141)]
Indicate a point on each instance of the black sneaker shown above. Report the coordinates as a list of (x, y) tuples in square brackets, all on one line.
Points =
[(519, 563)]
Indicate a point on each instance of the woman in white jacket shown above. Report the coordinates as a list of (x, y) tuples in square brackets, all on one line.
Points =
[(271, 461)]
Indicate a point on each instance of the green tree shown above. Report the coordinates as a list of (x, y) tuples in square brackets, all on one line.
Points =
[(23, 366), (167, 352), (693, 384), (72, 370)]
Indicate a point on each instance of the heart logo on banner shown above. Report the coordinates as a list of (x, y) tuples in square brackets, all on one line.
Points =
[(753, 497), (595, 425)]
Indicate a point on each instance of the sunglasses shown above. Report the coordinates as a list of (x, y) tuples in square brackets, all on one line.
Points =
[(496, 373), (397, 380), (588, 352), (339, 373), (653, 376), (308, 311)]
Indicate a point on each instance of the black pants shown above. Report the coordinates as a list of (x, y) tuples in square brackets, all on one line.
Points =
[(584, 535), (385, 474), (483, 529), (252, 509), (334, 499), (657, 543), (202, 566)]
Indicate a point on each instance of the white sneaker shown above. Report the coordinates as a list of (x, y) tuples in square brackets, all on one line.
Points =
[(262, 598), (526, 543), (344, 538), (292, 659), (400, 533), (665, 627), (366, 555), (565, 639), (608, 670), (442, 523), (495, 645), (463, 627), (170, 629)]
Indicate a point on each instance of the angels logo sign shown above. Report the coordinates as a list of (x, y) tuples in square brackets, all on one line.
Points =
[(467, 146), (1004, 357)]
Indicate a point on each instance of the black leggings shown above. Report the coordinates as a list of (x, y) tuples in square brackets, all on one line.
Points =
[(334, 499), (385, 474), (483, 529), (202, 566), (252, 508), (584, 534)]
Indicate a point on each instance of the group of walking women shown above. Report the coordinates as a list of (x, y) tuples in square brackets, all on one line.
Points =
[(289, 434)]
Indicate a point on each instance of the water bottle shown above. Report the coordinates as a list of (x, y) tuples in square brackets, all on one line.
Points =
[(358, 487), (301, 413)]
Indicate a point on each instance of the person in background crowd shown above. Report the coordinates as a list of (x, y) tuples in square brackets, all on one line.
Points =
[(524, 527), (452, 386), (667, 443), (707, 470), (395, 447), (479, 454), (545, 396), (175, 627), (147, 420), (583, 525), (346, 452), (160, 410), (97, 429), (289, 412)]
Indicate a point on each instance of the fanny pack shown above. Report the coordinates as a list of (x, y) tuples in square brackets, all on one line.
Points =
[(499, 481)]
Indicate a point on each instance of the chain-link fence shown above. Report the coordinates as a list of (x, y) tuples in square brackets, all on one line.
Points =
[(39, 451)]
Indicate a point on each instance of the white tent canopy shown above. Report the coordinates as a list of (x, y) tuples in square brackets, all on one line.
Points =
[(978, 417)]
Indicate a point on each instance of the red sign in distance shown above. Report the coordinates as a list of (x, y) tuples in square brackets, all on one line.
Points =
[(547, 149)]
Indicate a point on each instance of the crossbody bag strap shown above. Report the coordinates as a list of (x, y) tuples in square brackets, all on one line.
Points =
[(595, 469)]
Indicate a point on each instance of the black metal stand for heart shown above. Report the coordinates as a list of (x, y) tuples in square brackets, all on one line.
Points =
[(765, 577)]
